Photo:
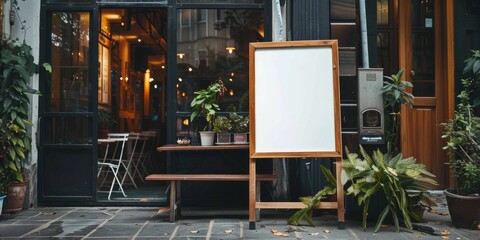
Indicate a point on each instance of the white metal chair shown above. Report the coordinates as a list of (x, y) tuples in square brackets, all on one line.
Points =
[(114, 164)]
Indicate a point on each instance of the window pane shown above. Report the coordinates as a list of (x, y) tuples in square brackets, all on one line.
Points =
[(214, 49), (342, 10), (134, 1), (58, 130), (70, 52), (348, 64), (382, 12), (345, 34), (423, 48)]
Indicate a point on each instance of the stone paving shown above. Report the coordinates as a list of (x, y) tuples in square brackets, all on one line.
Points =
[(144, 223)]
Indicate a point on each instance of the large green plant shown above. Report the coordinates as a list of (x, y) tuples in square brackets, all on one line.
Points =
[(463, 132), (399, 179), (394, 176), (16, 67), (205, 102)]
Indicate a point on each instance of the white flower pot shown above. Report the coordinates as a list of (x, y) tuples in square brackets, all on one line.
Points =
[(207, 138)]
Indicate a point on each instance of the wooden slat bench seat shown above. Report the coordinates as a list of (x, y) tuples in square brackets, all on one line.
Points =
[(208, 177), (175, 180)]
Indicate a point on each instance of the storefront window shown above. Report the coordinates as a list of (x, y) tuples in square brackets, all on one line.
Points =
[(69, 1), (212, 44), (70, 52)]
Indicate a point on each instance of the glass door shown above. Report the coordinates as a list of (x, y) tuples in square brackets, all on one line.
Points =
[(67, 141)]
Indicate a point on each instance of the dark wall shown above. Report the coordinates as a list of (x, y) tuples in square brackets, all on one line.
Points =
[(310, 20)]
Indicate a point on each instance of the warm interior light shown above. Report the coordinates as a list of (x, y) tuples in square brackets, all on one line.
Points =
[(121, 78), (231, 80), (163, 66), (185, 122), (126, 79), (178, 85), (151, 79), (139, 40), (180, 79), (181, 55), (190, 69), (122, 24), (155, 86), (232, 74), (183, 94), (231, 92), (230, 49)]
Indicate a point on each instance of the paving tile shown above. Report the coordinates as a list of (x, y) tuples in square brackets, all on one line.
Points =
[(117, 230), (133, 216), (88, 215), (16, 230), (158, 230), (59, 229)]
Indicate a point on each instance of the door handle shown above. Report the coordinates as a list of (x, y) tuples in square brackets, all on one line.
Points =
[(412, 73)]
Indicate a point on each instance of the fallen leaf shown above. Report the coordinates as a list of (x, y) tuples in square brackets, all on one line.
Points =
[(433, 211), (326, 231), (280, 234), (384, 226), (443, 214), (457, 238), (418, 236), (229, 231), (274, 230), (47, 213), (143, 200), (444, 232), (478, 226), (293, 229), (445, 237), (195, 231), (314, 234)]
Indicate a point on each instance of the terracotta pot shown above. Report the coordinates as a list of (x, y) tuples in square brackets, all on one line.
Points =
[(16, 192), (464, 210)]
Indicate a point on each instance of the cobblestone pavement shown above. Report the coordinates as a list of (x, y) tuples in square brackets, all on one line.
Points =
[(143, 223)]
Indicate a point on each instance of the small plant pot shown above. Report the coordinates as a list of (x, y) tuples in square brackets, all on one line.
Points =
[(240, 138), (207, 138), (223, 138)]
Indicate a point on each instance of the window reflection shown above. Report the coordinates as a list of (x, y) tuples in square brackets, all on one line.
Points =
[(69, 51), (211, 45)]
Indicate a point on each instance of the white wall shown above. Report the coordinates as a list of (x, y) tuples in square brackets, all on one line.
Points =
[(30, 13)]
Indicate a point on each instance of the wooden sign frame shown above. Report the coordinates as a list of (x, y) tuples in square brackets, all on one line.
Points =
[(294, 99), (294, 111)]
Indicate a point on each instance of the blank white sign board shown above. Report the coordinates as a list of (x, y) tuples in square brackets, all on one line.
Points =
[(295, 99)]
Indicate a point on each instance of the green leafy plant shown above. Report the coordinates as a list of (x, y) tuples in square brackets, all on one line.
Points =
[(205, 102), (395, 94), (239, 122), (16, 67), (463, 132), (222, 124), (398, 179), (310, 202)]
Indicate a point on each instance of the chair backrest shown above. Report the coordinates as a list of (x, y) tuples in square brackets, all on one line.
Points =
[(119, 137)]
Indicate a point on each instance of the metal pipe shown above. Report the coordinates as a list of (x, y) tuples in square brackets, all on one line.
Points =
[(278, 9), (364, 37)]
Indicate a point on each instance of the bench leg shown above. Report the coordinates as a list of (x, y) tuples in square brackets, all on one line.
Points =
[(179, 200), (257, 190), (173, 190)]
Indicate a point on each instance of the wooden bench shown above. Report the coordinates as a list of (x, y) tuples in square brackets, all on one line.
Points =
[(175, 180)]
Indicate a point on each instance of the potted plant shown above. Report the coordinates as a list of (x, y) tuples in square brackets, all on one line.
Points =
[(16, 67), (205, 104), (223, 127), (394, 178), (240, 128), (463, 145), (106, 121)]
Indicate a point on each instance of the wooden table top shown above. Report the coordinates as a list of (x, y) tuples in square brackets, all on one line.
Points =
[(189, 147)]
